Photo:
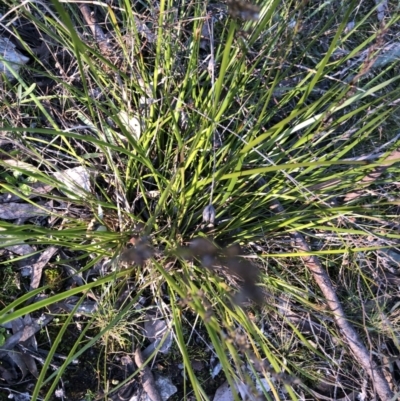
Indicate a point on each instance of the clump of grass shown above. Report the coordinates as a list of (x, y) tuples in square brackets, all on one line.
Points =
[(234, 114)]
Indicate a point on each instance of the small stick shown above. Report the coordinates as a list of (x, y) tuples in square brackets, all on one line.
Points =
[(361, 354), (97, 32), (149, 385)]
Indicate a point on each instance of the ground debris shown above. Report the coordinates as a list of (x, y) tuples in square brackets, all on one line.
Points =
[(156, 330), (13, 211), (13, 60), (76, 181), (148, 382), (37, 268)]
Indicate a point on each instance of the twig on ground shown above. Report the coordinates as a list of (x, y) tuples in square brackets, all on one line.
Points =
[(100, 37), (148, 382), (322, 279)]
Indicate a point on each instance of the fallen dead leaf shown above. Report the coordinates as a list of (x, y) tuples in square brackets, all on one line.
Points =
[(165, 387), (381, 9), (13, 60), (24, 333), (156, 330), (75, 181), (17, 347), (36, 189), (37, 268), (13, 211), (224, 393), (20, 249), (132, 124)]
